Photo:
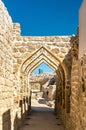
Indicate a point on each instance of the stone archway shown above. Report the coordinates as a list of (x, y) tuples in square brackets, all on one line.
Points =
[(20, 55), (29, 56), (44, 55), (40, 55)]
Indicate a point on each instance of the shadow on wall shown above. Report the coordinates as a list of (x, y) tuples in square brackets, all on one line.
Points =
[(25, 106), (63, 88), (17, 122), (24, 109), (6, 121)]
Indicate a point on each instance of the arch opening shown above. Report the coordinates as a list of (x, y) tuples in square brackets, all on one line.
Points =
[(42, 68), (42, 82), (37, 58)]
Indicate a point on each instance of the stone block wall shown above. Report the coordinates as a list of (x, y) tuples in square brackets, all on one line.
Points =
[(74, 93), (13, 108), (78, 95), (6, 69), (76, 118), (14, 88), (25, 46)]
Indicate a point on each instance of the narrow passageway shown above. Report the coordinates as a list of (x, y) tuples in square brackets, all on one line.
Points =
[(42, 118)]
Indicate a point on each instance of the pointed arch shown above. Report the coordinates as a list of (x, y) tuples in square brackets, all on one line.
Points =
[(45, 55), (39, 62), (40, 55)]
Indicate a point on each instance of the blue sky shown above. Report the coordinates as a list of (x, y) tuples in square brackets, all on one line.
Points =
[(45, 17), (44, 67)]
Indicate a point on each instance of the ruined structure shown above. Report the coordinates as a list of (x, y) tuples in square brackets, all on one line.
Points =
[(43, 85), (19, 56)]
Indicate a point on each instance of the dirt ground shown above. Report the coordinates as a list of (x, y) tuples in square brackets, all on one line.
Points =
[(42, 118)]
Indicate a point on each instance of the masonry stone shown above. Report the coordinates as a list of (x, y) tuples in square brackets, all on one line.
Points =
[(20, 55)]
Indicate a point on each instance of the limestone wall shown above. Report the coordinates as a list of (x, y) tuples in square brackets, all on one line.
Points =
[(6, 69), (75, 93), (13, 103), (26, 46), (78, 95), (75, 119), (61, 53)]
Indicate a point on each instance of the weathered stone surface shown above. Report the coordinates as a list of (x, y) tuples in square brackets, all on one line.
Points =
[(20, 55)]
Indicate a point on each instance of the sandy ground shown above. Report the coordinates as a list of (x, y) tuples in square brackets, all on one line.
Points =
[(42, 118)]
